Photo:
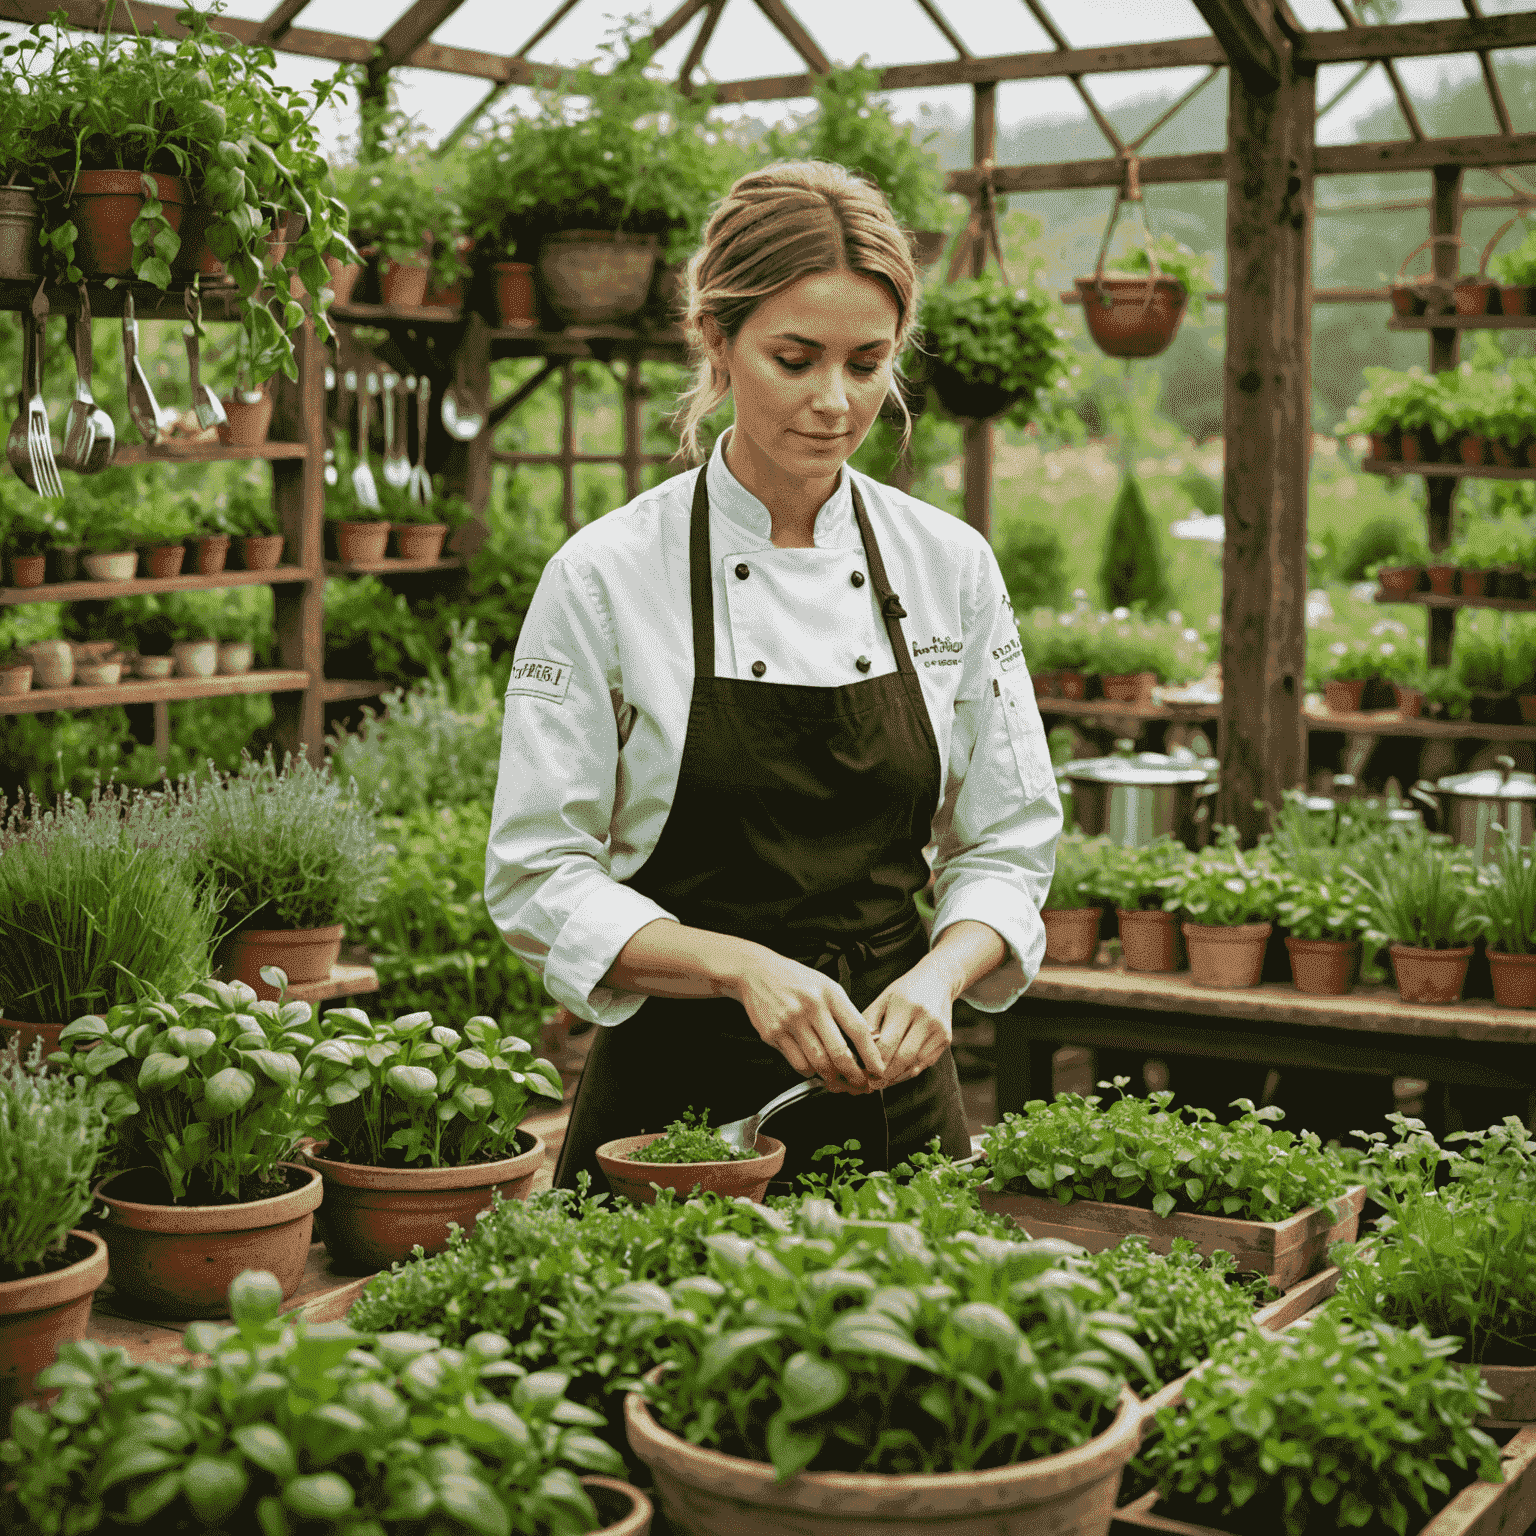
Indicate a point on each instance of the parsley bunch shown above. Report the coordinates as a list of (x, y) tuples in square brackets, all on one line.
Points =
[(1223, 888), (690, 1140)]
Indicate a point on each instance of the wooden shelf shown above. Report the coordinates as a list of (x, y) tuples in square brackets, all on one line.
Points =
[(391, 566), (344, 981), (340, 690), (1108, 709), (204, 453), (104, 591), (1455, 600), (1462, 323), (385, 315), (1387, 722), (1395, 469), (170, 690), (221, 299)]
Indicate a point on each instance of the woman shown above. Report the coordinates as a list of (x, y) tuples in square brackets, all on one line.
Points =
[(729, 740)]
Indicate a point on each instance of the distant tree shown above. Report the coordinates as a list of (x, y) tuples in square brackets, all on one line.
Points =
[(1033, 561), (1133, 572)]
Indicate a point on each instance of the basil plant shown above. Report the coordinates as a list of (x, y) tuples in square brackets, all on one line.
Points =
[(410, 1093)]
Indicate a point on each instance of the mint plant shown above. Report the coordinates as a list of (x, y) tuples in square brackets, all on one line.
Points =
[(1324, 1426), (688, 1139), (1079, 861), (210, 1082), (1146, 1152), (409, 1093), (1138, 879), (1222, 887)]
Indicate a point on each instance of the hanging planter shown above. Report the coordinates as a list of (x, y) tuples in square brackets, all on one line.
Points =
[(991, 347), (1423, 295), (597, 276), (969, 399), (103, 207)]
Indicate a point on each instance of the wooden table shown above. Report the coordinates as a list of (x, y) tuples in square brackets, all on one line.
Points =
[(1371, 1030)]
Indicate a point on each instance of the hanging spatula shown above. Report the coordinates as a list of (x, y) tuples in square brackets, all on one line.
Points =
[(742, 1134)]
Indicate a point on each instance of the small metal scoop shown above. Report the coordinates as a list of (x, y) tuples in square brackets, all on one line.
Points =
[(742, 1134)]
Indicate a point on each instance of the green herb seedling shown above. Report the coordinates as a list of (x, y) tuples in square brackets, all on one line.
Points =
[(689, 1139)]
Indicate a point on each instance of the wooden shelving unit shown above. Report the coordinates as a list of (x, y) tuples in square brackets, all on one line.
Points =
[(343, 690), (168, 690), (1109, 710), (1396, 469), (1387, 722), (175, 452), (1462, 323), (104, 591), (1456, 600), (391, 567)]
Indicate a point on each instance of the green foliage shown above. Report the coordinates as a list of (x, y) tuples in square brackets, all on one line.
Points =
[(399, 202), (1133, 572), (1504, 900), (96, 901), (688, 1139), (244, 511), (1175, 260), (318, 1428), (1221, 887), (1457, 1259), (1136, 879), (1380, 541), (1417, 890), (1032, 559), (1445, 693), (1079, 862), (1324, 1426), (414, 1094), (211, 1080), (52, 1130), (287, 847), (1145, 1152)]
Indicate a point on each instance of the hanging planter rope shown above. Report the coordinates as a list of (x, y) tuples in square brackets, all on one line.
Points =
[(1132, 316)]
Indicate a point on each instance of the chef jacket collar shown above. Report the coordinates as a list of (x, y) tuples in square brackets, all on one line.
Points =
[(729, 499)]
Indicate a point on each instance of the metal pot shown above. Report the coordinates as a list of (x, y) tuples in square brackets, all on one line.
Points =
[(1469, 806), (1343, 801), (1137, 797)]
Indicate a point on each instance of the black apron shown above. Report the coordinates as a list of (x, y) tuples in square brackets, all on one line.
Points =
[(799, 822)]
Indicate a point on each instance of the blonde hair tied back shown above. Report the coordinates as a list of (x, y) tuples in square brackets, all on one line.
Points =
[(774, 227)]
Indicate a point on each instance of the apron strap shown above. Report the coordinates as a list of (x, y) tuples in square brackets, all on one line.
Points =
[(701, 580)]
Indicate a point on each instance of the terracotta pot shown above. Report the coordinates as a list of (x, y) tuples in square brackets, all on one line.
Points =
[(1472, 297), (1071, 935), (235, 657), (98, 674), (362, 543), (154, 666), (1514, 979), (1073, 684), (1474, 449), (261, 551), (114, 565), (165, 559), (514, 294), (632, 1179), (209, 553), (1149, 940), (1410, 701), (1442, 579), (1513, 299), (15, 680), (344, 276), (403, 284), (1226, 955), (28, 1035), (1129, 687), (420, 541), (597, 276), (178, 1260), (623, 1509), (1527, 706), (1386, 447), (248, 419), (1126, 320), (304, 955), (196, 658), (1506, 455), (1430, 975), (1322, 967), (1398, 580), (1408, 299), (195, 257), (53, 663), (20, 253), (1474, 583), (1045, 685), (708, 1493), (1413, 448), (1343, 698), (103, 208), (28, 570), (373, 1217), (41, 1312)]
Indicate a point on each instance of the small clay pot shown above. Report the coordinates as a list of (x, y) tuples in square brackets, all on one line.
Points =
[(1046, 685), (53, 663), (1149, 940), (261, 551), (1343, 697), (1322, 967), (373, 1217), (403, 284), (165, 559), (247, 419), (1071, 935), (1527, 706), (41, 1312), (209, 553), (1506, 455), (235, 657), (1513, 299), (115, 565), (1514, 979), (1442, 579), (98, 674), (1226, 955), (28, 570), (1473, 297), (27, 1035), (1474, 449), (1474, 583), (1430, 975), (1398, 580), (631, 1178), (196, 658), (304, 955), (1073, 684), (514, 295), (1129, 687), (623, 1509), (15, 679), (420, 541), (362, 543), (1386, 447), (1410, 701), (154, 667), (344, 276)]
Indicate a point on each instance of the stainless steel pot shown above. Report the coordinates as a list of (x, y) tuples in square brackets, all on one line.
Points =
[(1469, 806), (1138, 797)]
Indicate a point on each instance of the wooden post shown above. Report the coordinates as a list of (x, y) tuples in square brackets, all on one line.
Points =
[(978, 434), (634, 428), (466, 467), (1268, 426), (1440, 490), (568, 447)]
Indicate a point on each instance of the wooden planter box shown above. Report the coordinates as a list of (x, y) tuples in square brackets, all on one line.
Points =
[(1516, 1384), (1285, 1251), (1484, 1509)]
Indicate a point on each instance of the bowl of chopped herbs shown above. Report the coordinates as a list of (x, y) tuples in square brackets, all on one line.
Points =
[(686, 1156)]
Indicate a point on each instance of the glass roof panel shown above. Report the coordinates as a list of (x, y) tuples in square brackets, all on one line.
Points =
[(906, 35), (351, 18)]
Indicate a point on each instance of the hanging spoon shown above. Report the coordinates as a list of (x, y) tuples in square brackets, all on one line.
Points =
[(147, 415), (363, 486), (209, 412), (397, 467), (103, 434), (421, 481)]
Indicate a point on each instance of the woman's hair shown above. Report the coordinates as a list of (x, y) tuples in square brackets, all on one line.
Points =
[(774, 227)]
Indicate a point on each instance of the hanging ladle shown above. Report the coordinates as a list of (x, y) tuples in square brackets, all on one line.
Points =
[(90, 439)]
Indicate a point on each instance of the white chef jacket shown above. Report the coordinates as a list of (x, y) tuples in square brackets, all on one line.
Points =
[(597, 712)]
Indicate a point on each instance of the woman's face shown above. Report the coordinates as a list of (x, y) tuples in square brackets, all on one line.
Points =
[(809, 371)]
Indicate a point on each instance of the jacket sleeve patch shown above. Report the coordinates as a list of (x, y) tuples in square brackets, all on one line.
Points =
[(540, 677)]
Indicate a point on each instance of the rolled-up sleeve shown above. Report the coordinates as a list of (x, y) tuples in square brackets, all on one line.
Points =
[(996, 833), (549, 885)]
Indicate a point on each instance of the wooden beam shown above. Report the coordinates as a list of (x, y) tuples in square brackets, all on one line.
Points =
[(278, 21), (1250, 37), (669, 26), (791, 29), (1205, 165), (1479, 152), (938, 18), (1417, 39), (1490, 79), (1399, 90), (1267, 388), (977, 435), (700, 43), (1059, 41), (1444, 351), (410, 30)]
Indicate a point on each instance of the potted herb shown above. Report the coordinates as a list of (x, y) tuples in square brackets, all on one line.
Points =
[(360, 529), (1376, 415), (211, 1084), (52, 1130), (1130, 658), (163, 522), (688, 1156), (1070, 915), (1139, 315), (284, 1427), (1311, 1387), (1402, 578), (1343, 671), (246, 396), (1446, 697), (1424, 416), (20, 220), (398, 209), (96, 900), (294, 857), (1504, 910), (248, 514), (1404, 668), (420, 528), (1229, 902), (1416, 890), (28, 525), (420, 1128), (1135, 879), (991, 348), (107, 533), (809, 1421), (1090, 1173), (1324, 914)]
